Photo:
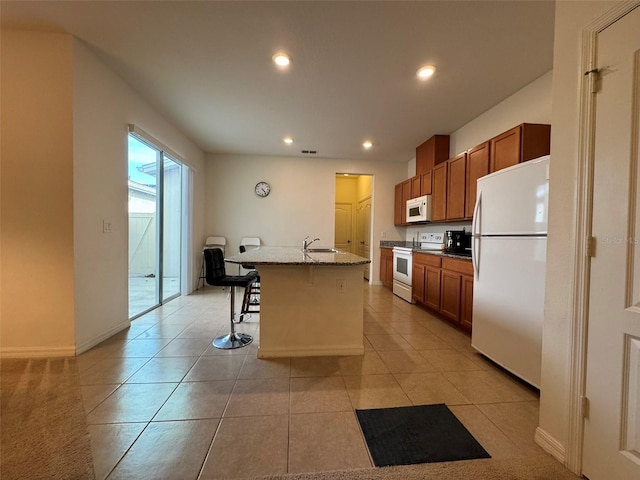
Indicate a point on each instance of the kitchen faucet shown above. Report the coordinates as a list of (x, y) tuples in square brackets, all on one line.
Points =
[(306, 244)]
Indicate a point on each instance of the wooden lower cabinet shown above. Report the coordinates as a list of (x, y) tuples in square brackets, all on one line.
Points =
[(386, 267), (444, 285)]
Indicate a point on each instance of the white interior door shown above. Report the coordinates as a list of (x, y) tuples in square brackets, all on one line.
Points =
[(612, 424), (343, 226), (364, 231)]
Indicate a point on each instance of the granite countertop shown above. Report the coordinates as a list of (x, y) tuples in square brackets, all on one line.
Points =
[(295, 256), (414, 249)]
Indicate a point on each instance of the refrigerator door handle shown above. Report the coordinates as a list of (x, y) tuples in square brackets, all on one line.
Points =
[(475, 235)]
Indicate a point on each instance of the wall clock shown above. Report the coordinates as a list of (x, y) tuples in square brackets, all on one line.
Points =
[(262, 189)]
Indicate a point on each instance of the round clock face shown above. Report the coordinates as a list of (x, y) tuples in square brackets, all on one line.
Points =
[(262, 189)]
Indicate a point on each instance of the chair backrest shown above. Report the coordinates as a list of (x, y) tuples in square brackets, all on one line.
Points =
[(250, 242), (216, 242), (214, 265)]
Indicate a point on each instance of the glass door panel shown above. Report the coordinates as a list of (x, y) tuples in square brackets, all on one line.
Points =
[(171, 228), (143, 227)]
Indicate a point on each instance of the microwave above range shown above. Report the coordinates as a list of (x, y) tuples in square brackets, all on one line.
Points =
[(419, 209)]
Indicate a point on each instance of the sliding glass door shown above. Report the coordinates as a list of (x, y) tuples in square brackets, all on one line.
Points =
[(155, 227)]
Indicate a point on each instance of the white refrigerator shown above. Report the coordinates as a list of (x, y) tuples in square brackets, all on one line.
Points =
[(509, 250)]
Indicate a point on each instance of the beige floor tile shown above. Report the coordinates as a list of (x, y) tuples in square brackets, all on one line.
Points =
[(185, 347), (248, 447), (201, 331), (161, 330), (368, 364), (406, 361), (429, 388), (132, 403), (518, 421), (377, 327), (319, 394), (167, 450), (492, 439), (375, 391), (264, 396), (422, 341), (111, 370), (409, 327), (94, 395), (451, 360), (315, 366), (382, 342), (164, 369), (109, 443), (490, 386), (251, 349), (254, 367), (215, 368), (326, 441), (145, 347), (196, 400)]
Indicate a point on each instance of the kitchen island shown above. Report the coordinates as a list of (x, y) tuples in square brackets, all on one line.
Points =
[(311, 302)]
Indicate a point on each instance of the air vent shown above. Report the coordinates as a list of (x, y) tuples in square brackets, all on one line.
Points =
[(309, 152)]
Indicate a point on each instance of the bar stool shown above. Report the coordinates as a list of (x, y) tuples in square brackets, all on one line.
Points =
[(216, 275), (251, 300), (210, 242)]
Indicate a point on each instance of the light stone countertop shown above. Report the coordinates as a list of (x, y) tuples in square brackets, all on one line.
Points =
[(295, 256)]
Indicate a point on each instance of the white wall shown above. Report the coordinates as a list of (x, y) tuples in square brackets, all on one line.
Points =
[(570, 19), (301, 202), (36, 310), (103, 107)]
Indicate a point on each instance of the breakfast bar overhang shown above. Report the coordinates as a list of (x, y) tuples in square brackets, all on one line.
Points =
[(311, 302)]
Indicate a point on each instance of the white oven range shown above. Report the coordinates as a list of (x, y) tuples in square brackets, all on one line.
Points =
[(402, 270)]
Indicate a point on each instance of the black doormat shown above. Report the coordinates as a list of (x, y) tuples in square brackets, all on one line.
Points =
[(419, 434)]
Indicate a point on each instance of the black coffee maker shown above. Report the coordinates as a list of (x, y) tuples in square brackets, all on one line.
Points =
[(456, 241)]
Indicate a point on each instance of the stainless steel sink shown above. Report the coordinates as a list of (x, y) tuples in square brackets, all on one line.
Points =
[(321, 250)]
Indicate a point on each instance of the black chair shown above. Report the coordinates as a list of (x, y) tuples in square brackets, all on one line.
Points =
[(217, 276), (251, 303)]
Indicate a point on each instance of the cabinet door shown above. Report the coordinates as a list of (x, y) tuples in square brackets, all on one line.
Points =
[(418, 282), (431, 152), (389, 275), (505, 149), (406, 195), (432, 288), (399, 209), (466, 302), (456, 172), (425, 184), (477, 167), (450, 285), (439, 193), (416, 183), (383, 268)]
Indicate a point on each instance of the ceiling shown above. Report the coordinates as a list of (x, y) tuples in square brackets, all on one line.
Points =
[(206, 66)]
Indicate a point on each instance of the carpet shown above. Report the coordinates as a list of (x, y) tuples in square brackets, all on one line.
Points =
[(418, 434), (44, 432)]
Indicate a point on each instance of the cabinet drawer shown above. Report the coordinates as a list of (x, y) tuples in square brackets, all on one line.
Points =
[(461, 266), (386, 252), (427, 259)]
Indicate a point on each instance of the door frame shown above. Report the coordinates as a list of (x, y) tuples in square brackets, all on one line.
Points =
[(579, 318)]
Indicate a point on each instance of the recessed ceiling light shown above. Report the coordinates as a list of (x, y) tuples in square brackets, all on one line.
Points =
[(287, 140), (426, 71), (367, 144), (281, 59)]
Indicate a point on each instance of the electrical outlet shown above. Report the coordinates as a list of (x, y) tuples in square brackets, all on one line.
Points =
[(341, 285), (383, 234), (106, 226)]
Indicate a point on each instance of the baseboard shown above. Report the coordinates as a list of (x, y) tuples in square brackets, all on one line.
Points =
[(38, 352), (550, 445), (311, 352), (84, 346)]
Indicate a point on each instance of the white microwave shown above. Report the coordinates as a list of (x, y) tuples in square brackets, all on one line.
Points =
[(419, 209)]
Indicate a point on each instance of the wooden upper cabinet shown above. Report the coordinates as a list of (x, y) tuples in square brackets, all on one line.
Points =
[(456, 187), (432, 152), (416, 186), (520, 144), (477, 166), (399, 209), (439, 192), (425, 183)]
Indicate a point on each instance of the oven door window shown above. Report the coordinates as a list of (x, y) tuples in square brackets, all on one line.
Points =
[(402, 266)]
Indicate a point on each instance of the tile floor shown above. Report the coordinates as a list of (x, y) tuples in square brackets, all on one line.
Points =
[(161, 402)]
